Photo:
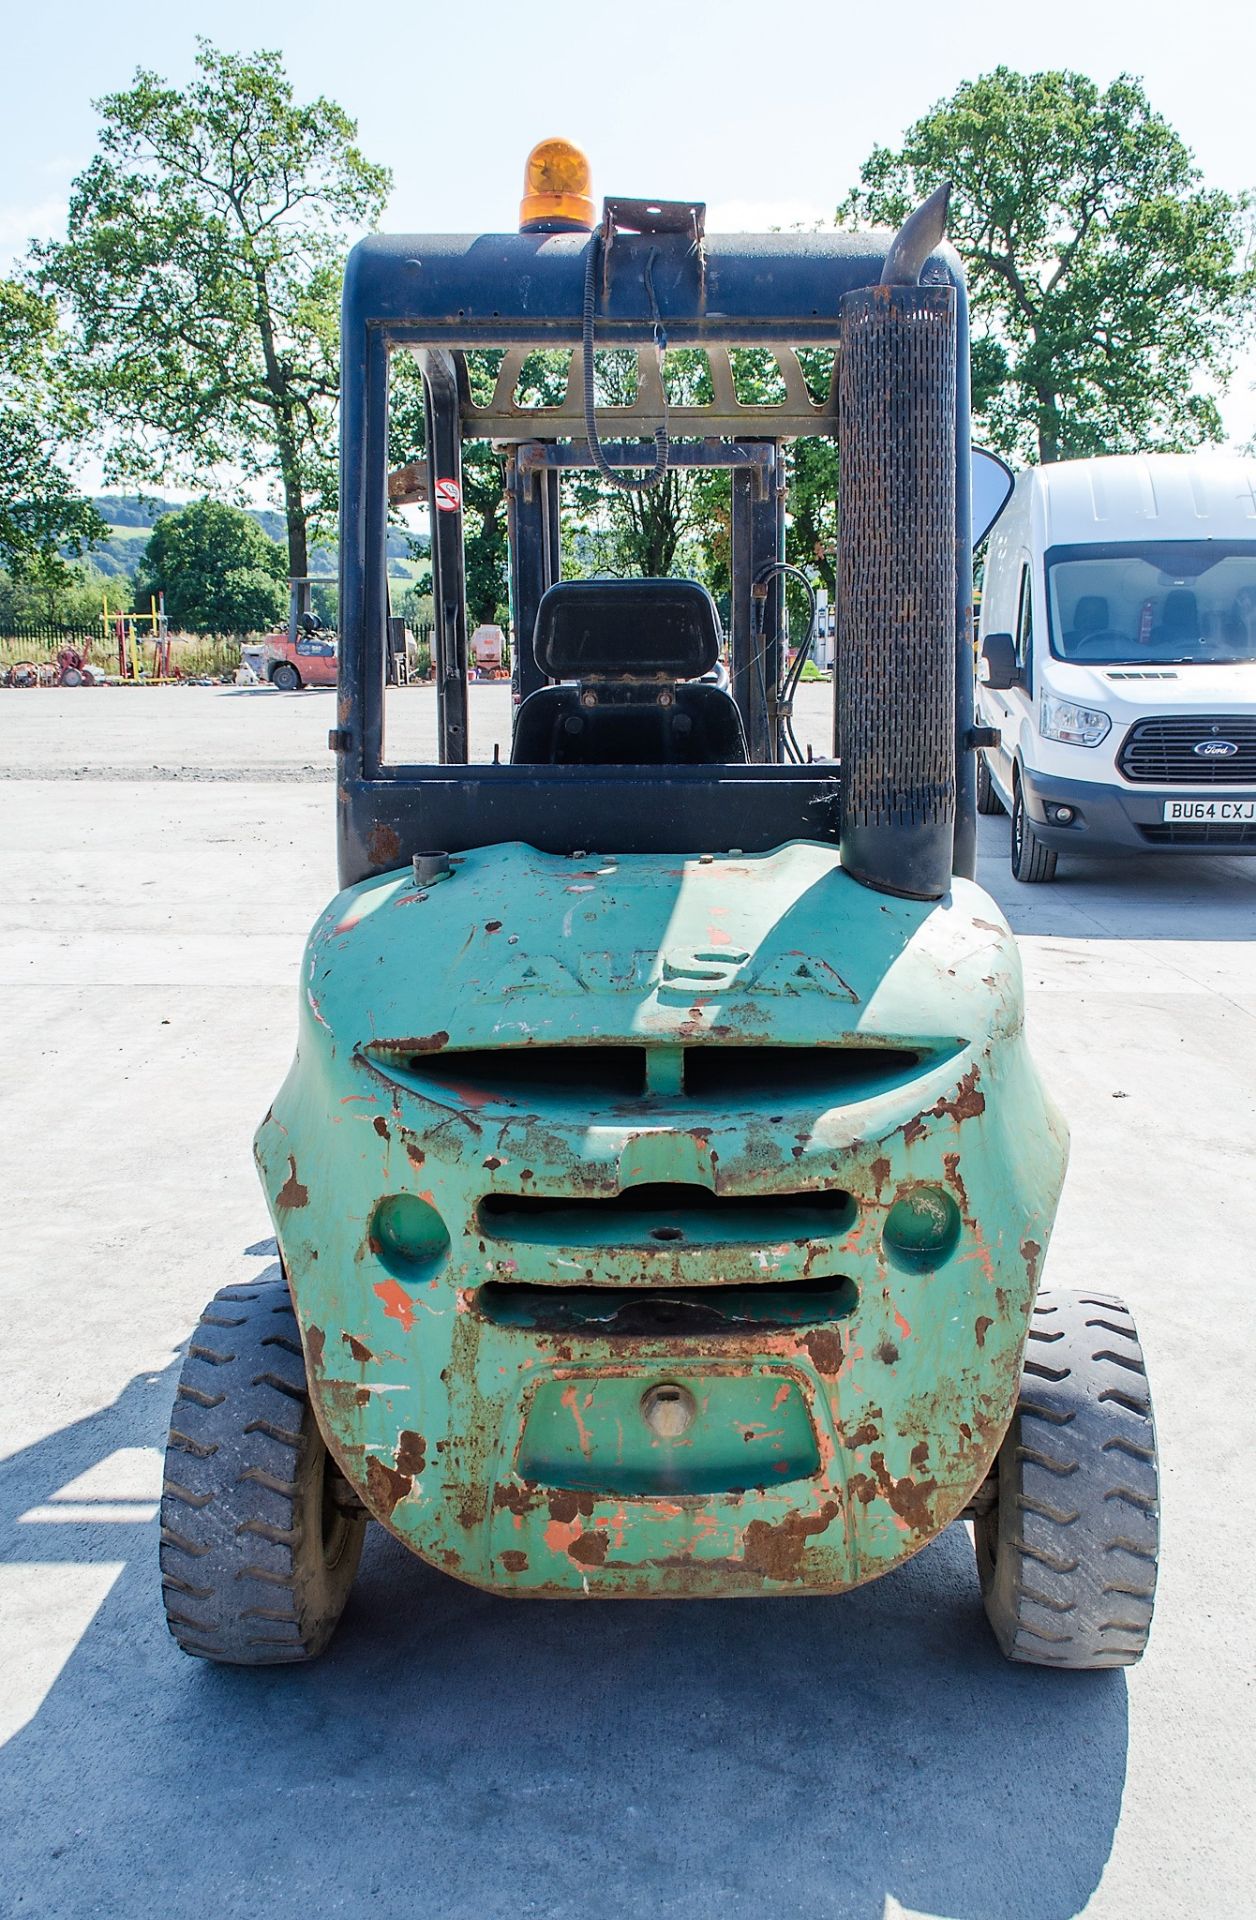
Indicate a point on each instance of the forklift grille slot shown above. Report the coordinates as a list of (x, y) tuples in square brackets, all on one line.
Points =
[(663, 1216), (511, 1074), (611, 1074), (670, 1313), (757, 1073)]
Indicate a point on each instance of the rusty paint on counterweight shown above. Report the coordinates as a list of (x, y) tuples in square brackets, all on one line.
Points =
[(842, 1422)]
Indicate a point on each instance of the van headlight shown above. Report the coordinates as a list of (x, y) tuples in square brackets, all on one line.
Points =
[(1075, 726)]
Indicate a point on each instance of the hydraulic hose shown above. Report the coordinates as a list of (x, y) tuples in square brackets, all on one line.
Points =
[(789, 686)]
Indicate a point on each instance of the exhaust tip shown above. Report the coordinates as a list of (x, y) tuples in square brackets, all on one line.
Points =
[(916, 239)]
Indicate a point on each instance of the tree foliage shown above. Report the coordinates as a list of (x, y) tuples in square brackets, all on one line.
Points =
[(1105, 280), (202, 270), (219, 572), (682, 525), (70, 595), (656, 530), (40, 508), (483, 486), (485, 545)]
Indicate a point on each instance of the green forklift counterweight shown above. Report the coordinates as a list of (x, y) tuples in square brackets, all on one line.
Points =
[(506, 1231)]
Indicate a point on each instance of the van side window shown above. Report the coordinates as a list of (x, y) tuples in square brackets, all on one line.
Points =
[(1025, 628)]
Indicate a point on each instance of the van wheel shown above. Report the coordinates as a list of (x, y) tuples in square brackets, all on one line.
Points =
[(260, 1534), (988, 801), (1031, 861), (1067, 1550), (286, 678)]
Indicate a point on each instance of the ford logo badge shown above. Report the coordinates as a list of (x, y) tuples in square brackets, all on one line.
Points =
[(1216, 749)]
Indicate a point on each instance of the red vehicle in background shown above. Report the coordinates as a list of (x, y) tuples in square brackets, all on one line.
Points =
[(307, 660)]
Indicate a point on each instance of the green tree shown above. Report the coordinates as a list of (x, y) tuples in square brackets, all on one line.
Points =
[(325, 602), (656, 530), (415, 605), (202, 271), (67, 596), (40, 508), (485, 544), (680, 526), (811, 532), (219, 572), (1105, 279)]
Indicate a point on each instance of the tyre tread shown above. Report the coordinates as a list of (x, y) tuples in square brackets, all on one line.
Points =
[(243, 1444), (1037, 862), (1068, 1555)]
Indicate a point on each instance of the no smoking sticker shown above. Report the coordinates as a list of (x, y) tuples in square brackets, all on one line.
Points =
[(448, 496)]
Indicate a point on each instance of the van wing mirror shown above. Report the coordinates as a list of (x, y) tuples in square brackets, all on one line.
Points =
[(992, 483), (999, 670)]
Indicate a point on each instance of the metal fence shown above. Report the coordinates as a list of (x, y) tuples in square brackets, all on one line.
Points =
[(46, 634)]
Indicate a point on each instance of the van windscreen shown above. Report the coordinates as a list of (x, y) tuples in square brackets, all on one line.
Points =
[(1153, 602)]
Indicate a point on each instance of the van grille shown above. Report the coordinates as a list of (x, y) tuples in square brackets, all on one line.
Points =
[(1163, 751), (1201, 833)]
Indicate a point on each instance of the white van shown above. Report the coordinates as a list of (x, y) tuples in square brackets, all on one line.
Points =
[(1118, 659)]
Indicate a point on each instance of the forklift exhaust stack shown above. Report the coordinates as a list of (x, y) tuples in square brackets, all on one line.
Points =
[(896, 572), (916, 239)]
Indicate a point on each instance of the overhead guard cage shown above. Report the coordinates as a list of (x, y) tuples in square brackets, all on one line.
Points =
[(439, 296)]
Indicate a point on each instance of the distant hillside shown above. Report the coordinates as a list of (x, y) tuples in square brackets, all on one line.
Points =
[(131, 518), (128, 510), (120, 555)]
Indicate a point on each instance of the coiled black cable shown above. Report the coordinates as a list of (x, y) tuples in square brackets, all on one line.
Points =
[(627, 482)]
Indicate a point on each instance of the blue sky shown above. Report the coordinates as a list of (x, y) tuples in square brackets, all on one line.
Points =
[(764, 111)]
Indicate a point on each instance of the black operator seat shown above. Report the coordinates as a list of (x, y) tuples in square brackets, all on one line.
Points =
[(630, 653)]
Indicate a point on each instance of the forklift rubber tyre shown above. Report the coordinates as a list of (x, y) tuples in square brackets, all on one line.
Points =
[(988, 801), (1067, 1551), (286, 678), (260, 1534), (1031, 861)]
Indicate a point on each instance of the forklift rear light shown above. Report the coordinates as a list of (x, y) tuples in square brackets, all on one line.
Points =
[(408, 1235), (921, 1229)]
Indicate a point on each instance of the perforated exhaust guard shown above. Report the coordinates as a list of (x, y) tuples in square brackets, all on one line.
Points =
[(896, 588)]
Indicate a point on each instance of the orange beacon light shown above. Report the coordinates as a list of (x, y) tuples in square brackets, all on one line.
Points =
[(556, 197)]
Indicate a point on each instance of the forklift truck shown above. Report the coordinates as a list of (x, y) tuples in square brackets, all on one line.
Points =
[(663, 1182)]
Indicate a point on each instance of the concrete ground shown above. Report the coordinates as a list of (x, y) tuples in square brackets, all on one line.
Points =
[(462, 1757)]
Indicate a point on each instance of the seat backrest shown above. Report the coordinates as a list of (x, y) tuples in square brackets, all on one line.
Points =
[(627, 630), (1180, 614), (1090, 615)]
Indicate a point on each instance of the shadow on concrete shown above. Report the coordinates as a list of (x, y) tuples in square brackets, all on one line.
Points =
[(1135, 896), (266, 692), (456, 1755)]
